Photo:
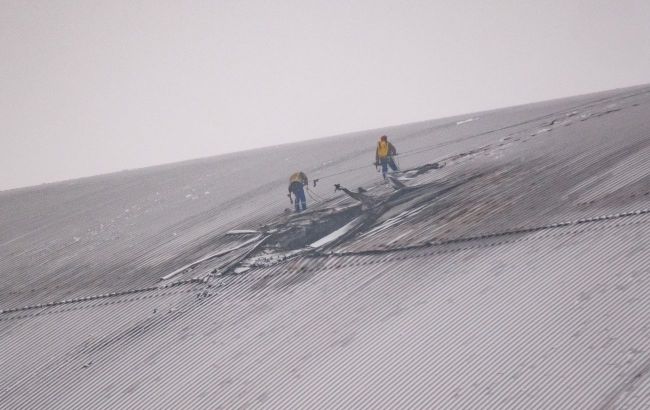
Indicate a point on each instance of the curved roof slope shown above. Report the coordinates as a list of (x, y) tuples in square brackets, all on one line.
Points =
[(506, 267)]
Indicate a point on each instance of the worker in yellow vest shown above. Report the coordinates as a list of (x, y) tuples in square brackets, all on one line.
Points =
[(384, 155), (297, 182)]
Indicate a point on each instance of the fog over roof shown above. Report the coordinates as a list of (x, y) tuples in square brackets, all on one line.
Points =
[(507, 266)]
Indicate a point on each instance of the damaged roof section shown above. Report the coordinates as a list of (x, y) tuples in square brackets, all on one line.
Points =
[(473, 194)]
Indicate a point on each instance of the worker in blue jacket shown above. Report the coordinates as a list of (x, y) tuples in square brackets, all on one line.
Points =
[(297, 183)]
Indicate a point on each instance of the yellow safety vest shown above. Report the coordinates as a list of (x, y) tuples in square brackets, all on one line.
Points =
[(382, 149), (297, 177)]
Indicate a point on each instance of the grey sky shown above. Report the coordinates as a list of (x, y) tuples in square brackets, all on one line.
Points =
[(96, 86)]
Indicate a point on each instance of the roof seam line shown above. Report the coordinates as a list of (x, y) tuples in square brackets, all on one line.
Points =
[(428, 244), (102, 296)]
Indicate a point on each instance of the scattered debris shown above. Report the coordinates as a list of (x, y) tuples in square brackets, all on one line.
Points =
[(337, 234), (466, 121), (191, 266), (242, 232)]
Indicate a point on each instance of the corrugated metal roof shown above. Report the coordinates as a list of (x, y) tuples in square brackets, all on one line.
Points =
[(516, 276)]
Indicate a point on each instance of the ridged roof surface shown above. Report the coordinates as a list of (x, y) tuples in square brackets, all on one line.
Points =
[(514, 273)]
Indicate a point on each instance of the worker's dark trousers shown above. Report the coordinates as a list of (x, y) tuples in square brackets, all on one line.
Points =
[(385, 163), (299, 193)]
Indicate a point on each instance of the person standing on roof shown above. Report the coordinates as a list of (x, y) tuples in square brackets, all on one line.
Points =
[(384, 155), (297, 182)]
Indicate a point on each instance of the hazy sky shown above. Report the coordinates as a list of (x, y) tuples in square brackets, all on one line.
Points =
[(89, 87)]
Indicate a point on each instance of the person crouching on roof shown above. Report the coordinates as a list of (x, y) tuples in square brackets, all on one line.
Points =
[(384, 155), (297, 181)]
